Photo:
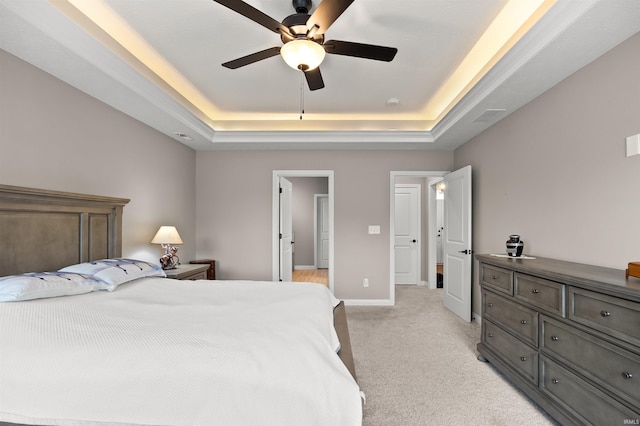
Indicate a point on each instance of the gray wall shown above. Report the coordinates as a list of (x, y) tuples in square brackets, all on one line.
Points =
[(233, 210), (556, 173), (53, 136)]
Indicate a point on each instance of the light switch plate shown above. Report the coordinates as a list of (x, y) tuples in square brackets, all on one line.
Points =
[(374, 229), (633, 145)]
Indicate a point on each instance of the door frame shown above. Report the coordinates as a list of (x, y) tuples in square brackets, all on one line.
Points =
[(285, 229), (432, 244), (316, 233), (275, 215), (431, 258)]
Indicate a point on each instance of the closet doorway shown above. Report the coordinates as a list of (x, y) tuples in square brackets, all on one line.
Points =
[(312, 202)]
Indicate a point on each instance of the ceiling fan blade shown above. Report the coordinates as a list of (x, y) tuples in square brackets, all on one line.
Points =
[(360, 50), (250, 59), (255, 15), (314, 79), (325, 14)]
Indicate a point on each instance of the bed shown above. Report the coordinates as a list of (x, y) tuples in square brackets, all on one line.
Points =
[(156, 351)]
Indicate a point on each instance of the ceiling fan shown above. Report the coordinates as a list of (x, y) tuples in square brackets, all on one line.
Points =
[(303, 37)]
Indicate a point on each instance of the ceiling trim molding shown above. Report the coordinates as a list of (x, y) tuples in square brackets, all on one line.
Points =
[(48, 21), (307, 137), (550, 26)]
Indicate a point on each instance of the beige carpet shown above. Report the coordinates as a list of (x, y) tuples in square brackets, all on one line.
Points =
[(416, 363)]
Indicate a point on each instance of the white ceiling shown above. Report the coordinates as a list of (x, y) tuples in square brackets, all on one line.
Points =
[(166, 69)]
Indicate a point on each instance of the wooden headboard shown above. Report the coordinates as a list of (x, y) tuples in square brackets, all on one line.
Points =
[(43, 230)]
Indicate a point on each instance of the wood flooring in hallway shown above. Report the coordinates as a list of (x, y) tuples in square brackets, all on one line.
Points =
[(320, 276)]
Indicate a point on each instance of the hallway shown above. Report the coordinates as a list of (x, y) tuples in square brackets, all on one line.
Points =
[(320, 276)]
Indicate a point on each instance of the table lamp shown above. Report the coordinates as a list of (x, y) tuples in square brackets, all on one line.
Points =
[(166, 236)]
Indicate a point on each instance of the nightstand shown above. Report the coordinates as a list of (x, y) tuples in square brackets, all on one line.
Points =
[(188, 272), (211, 273)]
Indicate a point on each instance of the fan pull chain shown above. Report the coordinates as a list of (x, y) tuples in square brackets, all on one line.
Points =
[(301, 95)]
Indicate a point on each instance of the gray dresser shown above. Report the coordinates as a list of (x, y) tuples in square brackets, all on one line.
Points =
[(566, 334)]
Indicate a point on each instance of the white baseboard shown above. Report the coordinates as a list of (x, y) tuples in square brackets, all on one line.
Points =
[(368, 302), (301, 267), (476, 318)]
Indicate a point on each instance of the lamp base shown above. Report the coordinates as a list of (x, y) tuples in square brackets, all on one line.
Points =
[(169, 261)]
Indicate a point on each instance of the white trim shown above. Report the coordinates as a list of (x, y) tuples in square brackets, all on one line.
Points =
[(392, 258), (335, 137), (315, 227), (476, 318), (556, 21), (304, 267), (275, 216), (432, 249), (368, 302)]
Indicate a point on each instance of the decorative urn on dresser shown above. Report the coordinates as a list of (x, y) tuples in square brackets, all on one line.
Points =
[(515, 246), (566, 334)]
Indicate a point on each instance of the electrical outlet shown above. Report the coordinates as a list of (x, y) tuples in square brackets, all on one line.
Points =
[(365, 282)]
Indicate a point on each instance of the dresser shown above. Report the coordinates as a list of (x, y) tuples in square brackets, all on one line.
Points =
[(566, 334)]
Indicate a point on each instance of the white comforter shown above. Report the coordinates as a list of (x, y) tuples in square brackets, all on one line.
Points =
[(158, 351)]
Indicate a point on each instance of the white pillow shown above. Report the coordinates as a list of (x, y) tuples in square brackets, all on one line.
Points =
[(117, 271), (39, 285)]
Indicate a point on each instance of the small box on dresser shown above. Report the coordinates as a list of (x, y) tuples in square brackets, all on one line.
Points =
[(567, 334)]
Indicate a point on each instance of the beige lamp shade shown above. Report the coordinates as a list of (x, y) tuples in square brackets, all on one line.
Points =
[(167, 235)]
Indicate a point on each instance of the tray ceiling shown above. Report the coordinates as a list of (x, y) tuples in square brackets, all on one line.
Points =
[(461, 66)]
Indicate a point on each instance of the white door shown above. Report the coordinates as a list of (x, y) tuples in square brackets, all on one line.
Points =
[(407, 234), (322, 231), (286, 230), (456, 242)]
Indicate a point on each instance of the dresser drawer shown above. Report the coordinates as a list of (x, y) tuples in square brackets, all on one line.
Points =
[(543, 294), (196, 276), (583, 400), (617, 317), (519, 355), (519, 319), (615, 368), (497, 278)]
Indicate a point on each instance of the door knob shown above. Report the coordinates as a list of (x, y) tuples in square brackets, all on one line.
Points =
[(465, 251), (414, 241)]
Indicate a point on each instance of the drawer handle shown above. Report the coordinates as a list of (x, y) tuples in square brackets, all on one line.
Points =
[(490, 305), (490, 335), (555, 338), (626, 375), (555, 381), (523, 358), (495, 277), (535, 291), (605, 314), (523, 322)]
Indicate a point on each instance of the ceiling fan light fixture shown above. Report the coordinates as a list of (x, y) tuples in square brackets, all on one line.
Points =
[(302, 54)]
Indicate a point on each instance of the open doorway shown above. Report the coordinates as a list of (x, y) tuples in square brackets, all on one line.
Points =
[(437, 188), (310, 202), (312, 199), (456, 238), (428, 212)]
